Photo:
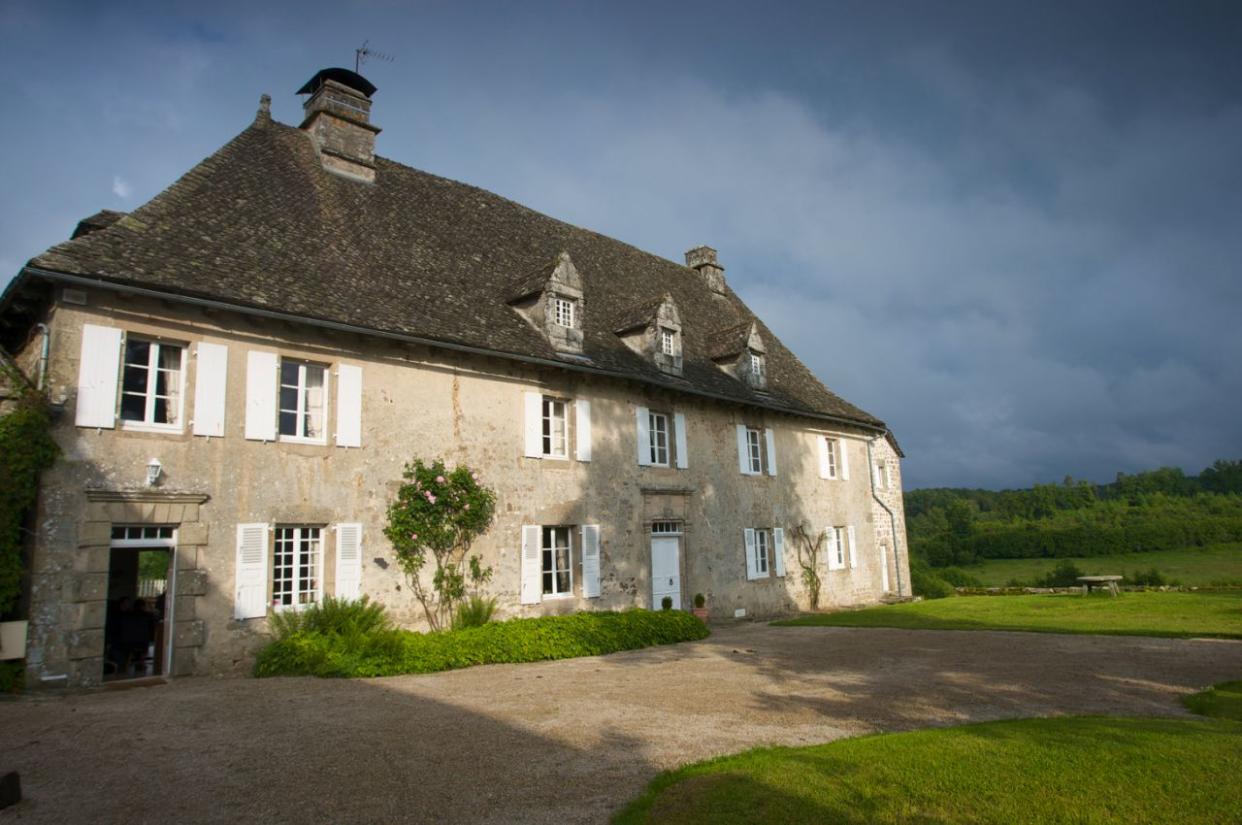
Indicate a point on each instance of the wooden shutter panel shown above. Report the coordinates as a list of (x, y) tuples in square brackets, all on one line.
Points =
[(533, 424), (778, 549), (843, 459), (833, 564), (532, 565), (769, 436), (262, 380), (590, 561), (98, 370), (679, 432), (348, 406), (582, 414), (643, 421), (824, 467), (743, 454), (211, 368), (752, 566), (250, 601), (348, 560), (849, 535)]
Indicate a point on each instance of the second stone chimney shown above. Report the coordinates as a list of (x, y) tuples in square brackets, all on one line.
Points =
[(338, 118), (703, 258)]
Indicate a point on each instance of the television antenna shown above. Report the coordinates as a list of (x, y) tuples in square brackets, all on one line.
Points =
[(365, 53)]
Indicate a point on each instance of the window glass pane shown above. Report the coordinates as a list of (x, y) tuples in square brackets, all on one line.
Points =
[(163, 412), (133, 407), (289, 372), (314, 401), (135, 379), (137, 352), (288, 423), (289, 399)]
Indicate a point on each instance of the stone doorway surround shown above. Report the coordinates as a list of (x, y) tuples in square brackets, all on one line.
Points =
[(104, 509)]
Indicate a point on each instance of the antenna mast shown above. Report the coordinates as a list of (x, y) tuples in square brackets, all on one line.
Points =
[(364, 53)]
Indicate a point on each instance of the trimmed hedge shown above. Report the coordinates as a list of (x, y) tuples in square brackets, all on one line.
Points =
[(391, 652)]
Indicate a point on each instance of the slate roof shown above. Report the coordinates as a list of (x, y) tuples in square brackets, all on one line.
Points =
[(261, 224)]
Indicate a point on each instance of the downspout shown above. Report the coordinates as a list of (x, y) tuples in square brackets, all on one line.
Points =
[(44, 350), (892, 517)]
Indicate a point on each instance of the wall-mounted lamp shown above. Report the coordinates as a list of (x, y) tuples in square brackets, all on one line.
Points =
[(154, 469)]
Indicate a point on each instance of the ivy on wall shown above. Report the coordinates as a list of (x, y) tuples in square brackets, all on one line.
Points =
[(26, 450)]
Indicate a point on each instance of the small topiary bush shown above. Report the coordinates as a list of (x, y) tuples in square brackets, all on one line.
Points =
[(666, 603), (699, 600), (389, 652), (343, 617)]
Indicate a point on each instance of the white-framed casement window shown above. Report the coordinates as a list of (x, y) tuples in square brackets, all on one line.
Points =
[(763, 544), (657, 433), (838, 545), (555, 428), (152, 384), (830, 451), (765, 552), (754, 450), (297, 565), (303, 401), (879, 473), (557, 565), (668, 341), (563, 312), (833, 459), (842, 547)]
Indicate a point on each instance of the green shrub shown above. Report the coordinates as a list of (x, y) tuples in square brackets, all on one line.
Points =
[(388, 652), (699, 600), (666, 603), (475, 611), (1065, 574), (1152, 578), (11, 676), (927, 584), (958, 577), (26, 450), (343, 617)]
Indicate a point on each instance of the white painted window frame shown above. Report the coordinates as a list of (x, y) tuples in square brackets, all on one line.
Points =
[(763, 551), (754, 450), (301, 410), (758, 369), (544, 533), (842, 551), (563, 312), (548, 406), (296, 568), (654, 434), (147, 424), (668, 341), (831, 445)]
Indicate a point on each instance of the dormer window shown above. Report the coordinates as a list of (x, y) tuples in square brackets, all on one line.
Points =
[(653, 331), (550, 300), (758, 370), (668, 341), (740, 352), (563, 312)]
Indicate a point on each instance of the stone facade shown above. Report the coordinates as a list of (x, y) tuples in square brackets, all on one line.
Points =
[(419, 401)]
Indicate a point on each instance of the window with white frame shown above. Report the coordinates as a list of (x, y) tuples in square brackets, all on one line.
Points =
[(881, 475), (563, 312), (668, 341), (303, 400), (758, 370), (657, 432), (754, 452), (151, 386), (297, 559), (555, 428), (558, 577), (763, 550), (839, 545), (832, 456)]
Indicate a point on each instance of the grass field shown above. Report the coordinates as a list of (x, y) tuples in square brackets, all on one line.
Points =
[(1131, 614), (1223, 701), (1196, 566), (1063, 770)]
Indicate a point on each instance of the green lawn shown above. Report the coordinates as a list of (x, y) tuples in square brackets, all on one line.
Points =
[(1195, 566), (1130, 614), (1064, 770), (1224, 701)]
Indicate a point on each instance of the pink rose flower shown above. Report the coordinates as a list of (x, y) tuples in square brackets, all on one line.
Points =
[(432, 499), (439, 479), (466, 507)]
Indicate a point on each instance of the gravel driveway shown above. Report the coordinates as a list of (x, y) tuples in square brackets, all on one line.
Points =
[(557, 742)]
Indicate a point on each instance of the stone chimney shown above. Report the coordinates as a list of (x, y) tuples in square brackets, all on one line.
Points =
[(703, 258), (338, 118)]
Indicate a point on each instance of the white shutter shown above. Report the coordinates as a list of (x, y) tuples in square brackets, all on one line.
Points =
[(824, 467), (643, 421), (679, 432), (778, 548), (532, 565), (752, 567), (97, 377), (833, 564), (582, 412), (770, 436), (534, 424), (743, 454), (843, 458), (590, 561), (211, 369), (348, 406), (262, 382), (875, 475), (348, 560), (849, 534), (250, 601)]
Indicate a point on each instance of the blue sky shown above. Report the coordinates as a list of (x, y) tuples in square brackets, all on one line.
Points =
[(1013, 231)]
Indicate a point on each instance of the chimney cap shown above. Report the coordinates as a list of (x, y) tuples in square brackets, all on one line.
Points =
[(345, 77), (702, 256)]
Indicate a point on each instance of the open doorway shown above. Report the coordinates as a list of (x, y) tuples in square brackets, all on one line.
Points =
[(137, 642)]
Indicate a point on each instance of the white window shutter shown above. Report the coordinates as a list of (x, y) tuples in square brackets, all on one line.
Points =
[(97, 377), (824, 468), (211, 369), (849, 535), (770, 436), (679, 432), (843, 458), (833, 564), (582, 412), (262, 382), (875, 475), (743, 451), (532, 564), (534, 424), (348, 406), (250, 601), (643, 421), (590, 561), (752, 567), (348, 560), (778, 549)]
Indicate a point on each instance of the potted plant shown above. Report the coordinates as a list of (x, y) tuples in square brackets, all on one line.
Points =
[(666, 603), (700, 606)]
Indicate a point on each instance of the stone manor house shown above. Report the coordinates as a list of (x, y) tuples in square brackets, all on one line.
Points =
[(242, 366)]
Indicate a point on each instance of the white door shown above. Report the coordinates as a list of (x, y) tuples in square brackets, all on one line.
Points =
[(665, 572)]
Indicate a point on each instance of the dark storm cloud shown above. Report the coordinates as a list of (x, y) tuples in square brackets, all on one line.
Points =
[(1013, 231)]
